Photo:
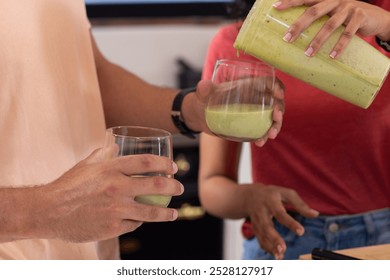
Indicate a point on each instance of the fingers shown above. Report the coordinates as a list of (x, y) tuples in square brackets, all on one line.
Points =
[(276, 126), (277, 246), (351, 22), (144, 163), (153, 185), (277, 115), (290, 223), (149, 213), (279, 107), (325, 32), (102, 154), (279, 89), (268, 237), (285, 4), (310, 15), (145, 213), (144, 174), (355, 16), (124, 186), (347, 35), (275, 207), (291, 197), (203, 90), (129, 226)]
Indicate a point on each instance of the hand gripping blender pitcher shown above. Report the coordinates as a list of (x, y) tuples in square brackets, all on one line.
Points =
[(356, 76)]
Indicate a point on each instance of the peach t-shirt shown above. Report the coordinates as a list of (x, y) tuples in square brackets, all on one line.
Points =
[(51, 114)]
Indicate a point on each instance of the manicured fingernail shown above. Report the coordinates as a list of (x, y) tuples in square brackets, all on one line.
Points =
[(279, 252), (309, 51), (300, 231), (287, 37), (333, 54), (276, 4)]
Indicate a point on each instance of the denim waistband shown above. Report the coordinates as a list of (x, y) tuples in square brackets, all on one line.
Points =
[(343, 219), (328, 222)]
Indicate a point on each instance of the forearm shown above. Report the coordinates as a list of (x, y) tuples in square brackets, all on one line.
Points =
[(18, 219), (128, 100), (224, 198)]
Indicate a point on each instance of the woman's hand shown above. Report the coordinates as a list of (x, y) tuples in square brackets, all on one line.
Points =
[(357, 17), (267, 202)]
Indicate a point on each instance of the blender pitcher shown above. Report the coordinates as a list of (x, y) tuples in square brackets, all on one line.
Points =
[(355, 77)]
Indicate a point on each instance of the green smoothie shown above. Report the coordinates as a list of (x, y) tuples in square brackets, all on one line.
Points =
[(355, 77), (153, 199), (158, 200), (240, 122)]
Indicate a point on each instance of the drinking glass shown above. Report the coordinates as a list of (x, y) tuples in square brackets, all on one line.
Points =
[(241, 107), (133, 140)]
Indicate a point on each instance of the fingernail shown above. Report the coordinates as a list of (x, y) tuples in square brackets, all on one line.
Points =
[(280, 114), (287, 37), (276, 4), (260, 143), (273, 133), (182, 188), (309, 52), (174, 166), (174, 214), (300, 231), (333, 54), (314, 212), (279, 254)]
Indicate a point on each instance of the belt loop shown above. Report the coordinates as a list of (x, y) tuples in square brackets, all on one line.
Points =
[(370, 229)]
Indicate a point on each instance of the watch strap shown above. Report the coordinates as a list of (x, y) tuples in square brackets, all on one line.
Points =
[(176, 114), (384, 44)]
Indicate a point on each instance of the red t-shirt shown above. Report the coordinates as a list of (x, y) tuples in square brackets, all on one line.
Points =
[(334, 154)]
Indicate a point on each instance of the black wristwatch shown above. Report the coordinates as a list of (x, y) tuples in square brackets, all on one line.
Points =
[(384, 44), (176, 113)]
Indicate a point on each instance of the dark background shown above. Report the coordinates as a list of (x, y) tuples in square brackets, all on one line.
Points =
[(168, 8)]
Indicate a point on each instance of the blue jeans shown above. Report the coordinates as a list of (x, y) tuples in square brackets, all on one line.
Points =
[(328, 232)]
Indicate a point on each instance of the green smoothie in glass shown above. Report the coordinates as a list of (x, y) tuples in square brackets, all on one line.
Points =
[(241, 105), (242, 122)]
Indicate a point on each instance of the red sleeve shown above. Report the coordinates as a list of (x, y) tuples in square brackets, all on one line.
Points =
[(216, 44), (221, 46)]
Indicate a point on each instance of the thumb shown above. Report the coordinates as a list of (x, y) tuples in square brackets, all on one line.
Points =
[(103, 154), (203, 90)]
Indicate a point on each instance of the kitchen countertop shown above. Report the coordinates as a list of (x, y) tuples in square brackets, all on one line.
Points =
[(376, 252)]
